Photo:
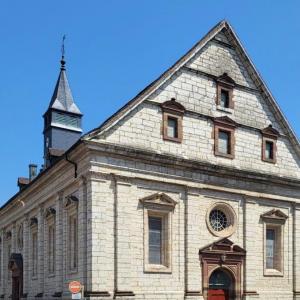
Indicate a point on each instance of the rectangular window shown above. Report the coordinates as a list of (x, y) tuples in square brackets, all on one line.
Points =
[(73, 242), (224, 99), (34, 253), (155, 240), (269, 150), (51, 248), (270, 248), (172, 127), (224, 142)]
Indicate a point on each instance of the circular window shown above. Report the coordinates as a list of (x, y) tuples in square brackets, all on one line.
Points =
[(221, 219), (217, 220)]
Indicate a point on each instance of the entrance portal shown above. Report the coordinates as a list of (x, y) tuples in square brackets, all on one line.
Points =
[(220, 286), (15, 265)]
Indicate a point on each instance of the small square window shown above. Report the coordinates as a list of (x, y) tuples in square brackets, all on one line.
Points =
[(224, 99), (172, 127), (224, 142)]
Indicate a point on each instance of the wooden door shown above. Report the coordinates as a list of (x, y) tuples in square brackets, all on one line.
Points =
[(214, 294)]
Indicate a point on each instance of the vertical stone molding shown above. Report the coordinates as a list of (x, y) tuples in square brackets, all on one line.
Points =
[(59, 245), (82, 231), (2, 271), (250, 223), (193, 276), (26, 255), (41, 249)]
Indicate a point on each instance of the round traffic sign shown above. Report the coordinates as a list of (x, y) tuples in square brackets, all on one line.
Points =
[(74, 287)]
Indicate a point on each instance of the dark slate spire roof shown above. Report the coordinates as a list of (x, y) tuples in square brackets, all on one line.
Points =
[(62, 98)]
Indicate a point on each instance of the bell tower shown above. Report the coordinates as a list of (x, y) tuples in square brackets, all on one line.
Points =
[(62, 120)]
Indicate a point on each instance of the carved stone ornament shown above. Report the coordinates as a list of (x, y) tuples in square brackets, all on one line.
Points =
[(71, 200)]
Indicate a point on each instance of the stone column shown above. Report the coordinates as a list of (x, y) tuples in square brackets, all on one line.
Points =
[(41, 249), (26, 239), (59, 244)]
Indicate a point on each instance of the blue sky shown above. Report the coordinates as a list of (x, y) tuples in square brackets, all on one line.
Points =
[(113, 50)]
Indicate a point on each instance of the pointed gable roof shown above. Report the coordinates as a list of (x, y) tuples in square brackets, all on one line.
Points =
[(226, 28), (62, 98)]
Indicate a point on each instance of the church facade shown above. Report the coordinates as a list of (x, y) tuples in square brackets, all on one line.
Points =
[(190, 191)]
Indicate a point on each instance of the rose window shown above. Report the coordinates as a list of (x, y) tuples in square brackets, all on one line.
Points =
[(218, 220)]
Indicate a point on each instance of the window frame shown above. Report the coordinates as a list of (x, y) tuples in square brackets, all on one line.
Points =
[(34, 253), (50, 216), (71, 207), (161, 206), (226, 83), (274, 219), (269, 134), (224, 124), (172, 109)]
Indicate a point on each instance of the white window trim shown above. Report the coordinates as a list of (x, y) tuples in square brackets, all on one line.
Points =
[(162, 206)]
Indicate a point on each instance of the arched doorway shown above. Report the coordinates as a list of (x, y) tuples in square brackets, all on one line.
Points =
[(15, 265), (221, 285)]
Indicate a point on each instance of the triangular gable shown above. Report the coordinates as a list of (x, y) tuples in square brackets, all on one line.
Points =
[(159, 199), (270, 131), (274, 214), (225, 28), (223, 245), (224, 120)]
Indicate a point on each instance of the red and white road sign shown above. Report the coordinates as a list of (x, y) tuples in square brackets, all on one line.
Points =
[(75, 287)]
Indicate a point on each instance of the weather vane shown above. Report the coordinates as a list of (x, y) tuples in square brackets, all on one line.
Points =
[(63, 46), (63, 53)]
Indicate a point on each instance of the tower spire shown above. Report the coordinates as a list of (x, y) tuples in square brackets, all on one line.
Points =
[(62, 126)]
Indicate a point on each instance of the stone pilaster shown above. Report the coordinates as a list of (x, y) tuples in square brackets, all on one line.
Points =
[(59, 245), (250, 245), (193, 274), (41, 249), (2, 270), (82, 232), (26, 239), (296, 249)]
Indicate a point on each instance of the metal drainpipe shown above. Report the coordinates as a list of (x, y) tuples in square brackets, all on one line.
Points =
[(73, 163)]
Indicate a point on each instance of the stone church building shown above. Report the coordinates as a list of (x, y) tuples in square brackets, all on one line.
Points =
[(190, 191)]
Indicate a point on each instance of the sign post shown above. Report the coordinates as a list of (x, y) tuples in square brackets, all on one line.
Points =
[(75, 288)]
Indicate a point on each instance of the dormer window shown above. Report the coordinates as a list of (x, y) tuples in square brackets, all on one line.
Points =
[(269, 139), (225, 85), (224, 129), (172, 120)]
